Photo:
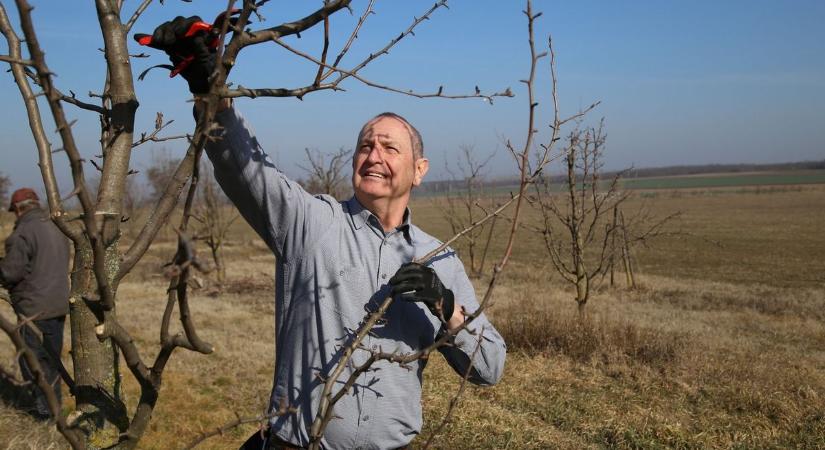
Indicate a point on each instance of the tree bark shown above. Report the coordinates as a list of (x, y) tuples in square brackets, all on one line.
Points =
[(97, 376)]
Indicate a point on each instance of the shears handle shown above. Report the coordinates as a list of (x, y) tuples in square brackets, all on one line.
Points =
[(198, 27)]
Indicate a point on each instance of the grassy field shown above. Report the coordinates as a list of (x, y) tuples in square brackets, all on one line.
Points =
[(722, 345)]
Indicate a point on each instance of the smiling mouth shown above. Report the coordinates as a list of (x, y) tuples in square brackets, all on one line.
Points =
[(375, 175)]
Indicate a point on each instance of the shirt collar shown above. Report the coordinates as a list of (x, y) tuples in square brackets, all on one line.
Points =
[(32, 214), (361, 215)]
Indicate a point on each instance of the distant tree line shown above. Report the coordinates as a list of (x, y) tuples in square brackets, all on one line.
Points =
[(443, 186)]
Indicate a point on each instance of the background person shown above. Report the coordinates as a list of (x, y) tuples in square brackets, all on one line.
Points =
[(35, 272)]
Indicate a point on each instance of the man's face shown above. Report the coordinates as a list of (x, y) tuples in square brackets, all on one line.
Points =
[(384, 166)]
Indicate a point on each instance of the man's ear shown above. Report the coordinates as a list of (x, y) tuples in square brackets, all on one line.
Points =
[(422, 165)]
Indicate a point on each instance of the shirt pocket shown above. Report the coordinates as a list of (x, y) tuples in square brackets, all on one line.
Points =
[(340, 289)]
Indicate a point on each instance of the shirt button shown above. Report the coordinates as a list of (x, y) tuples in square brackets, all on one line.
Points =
[(384, 276), (366, 418)]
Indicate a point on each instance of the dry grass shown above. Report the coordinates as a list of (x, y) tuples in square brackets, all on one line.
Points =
[(721, 347)]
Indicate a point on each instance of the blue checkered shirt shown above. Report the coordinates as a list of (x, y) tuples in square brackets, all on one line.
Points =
[(333, 263)]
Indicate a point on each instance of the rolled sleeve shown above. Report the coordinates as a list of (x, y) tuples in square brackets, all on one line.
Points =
[(479, 345)]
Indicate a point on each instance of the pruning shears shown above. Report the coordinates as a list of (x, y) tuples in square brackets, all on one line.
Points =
[(198, 28)]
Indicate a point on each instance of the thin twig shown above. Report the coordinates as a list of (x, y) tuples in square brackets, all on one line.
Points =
[(323, 52), (72, 99), (353, 73), (351, 39), (285, 29), (222, 429), (140, 9)]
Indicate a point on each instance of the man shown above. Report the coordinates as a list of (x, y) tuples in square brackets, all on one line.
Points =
[(34, 271), (337, 261)]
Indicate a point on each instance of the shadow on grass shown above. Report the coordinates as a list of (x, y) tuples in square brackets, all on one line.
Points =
[(18, 397)]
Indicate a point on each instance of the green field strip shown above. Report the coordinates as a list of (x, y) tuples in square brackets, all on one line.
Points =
[(756, 179), (682, 182)]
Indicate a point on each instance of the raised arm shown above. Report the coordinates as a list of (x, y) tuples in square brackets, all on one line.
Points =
[(279, 209)]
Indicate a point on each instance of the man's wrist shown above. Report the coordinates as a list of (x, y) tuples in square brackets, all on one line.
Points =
[(456, 320)]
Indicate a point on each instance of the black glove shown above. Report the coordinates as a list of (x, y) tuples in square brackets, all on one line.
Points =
[(171, 38), (417, 283)]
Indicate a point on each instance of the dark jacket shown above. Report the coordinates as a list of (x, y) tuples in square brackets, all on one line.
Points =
[(35, 268)]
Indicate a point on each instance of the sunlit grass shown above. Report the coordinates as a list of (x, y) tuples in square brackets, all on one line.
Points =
[(720, 347)]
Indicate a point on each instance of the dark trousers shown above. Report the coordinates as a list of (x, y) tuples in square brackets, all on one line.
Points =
[(263, 440), (48, 355)]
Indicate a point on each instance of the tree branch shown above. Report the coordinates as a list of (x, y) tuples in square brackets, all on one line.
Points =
[(299, 93), (38, 133), (328, 399), (167, 201), (15, 60), (352, 73), (221, 430), (72, 99), (351, 39), (73, 436), (136, 15), (296, 27)]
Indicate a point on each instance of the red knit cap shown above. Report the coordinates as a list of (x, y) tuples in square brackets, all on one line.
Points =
[(22, 194)]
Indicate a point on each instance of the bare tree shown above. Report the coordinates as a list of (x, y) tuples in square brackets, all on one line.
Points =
[(327, 174), (641, 228), (462, 205), (216, 216), (102, 260), (5, 183), (133, 198), (160, 172), (583, 226), (582, 250)]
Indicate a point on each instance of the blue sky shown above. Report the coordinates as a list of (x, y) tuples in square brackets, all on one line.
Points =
[(680, 82)]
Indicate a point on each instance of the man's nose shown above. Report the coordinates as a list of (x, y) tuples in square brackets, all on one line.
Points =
[(376, 154)]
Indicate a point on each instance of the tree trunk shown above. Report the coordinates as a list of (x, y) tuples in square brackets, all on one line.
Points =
[(220, 267), (581, 309), (613, 245), (628, 268), (582, 290), (97, 377)]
